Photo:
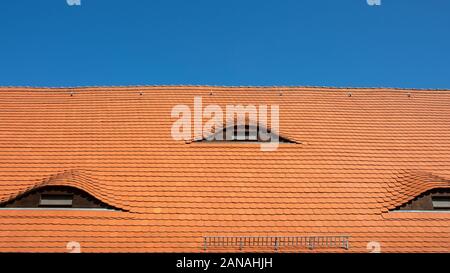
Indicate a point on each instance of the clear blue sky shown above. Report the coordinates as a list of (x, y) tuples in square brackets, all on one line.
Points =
[(402, 43)]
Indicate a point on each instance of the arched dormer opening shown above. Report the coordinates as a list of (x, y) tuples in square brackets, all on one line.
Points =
[(245, 133), (432, 200), (56, 197)]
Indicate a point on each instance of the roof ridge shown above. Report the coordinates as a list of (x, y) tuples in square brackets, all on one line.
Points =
[(355, 88)]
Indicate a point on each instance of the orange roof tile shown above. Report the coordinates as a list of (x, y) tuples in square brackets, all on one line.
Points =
[(356, 159)]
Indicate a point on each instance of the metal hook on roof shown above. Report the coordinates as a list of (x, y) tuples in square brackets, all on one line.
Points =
[(349, 94)]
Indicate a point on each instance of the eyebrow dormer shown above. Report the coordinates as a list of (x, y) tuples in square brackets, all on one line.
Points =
[(244, 133), (432, 200), (56, 197)]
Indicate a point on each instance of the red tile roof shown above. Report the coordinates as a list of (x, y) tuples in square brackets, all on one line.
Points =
[(359, 157)]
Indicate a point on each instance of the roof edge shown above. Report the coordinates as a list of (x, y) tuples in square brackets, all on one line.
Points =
[(218, 87)]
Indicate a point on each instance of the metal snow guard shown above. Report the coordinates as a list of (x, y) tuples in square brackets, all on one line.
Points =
[(276, 242)]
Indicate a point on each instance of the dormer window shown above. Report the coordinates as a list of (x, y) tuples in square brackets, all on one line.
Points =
[(56, 200), (432, 200), (245, 133), (56, 197), (441, 202)]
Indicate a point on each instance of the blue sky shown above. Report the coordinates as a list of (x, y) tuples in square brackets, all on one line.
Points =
[(402, 43)]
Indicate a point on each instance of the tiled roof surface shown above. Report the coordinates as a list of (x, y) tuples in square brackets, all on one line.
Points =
[(360, 156)]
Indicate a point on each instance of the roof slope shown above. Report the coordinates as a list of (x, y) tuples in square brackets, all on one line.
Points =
[(359, 156)]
